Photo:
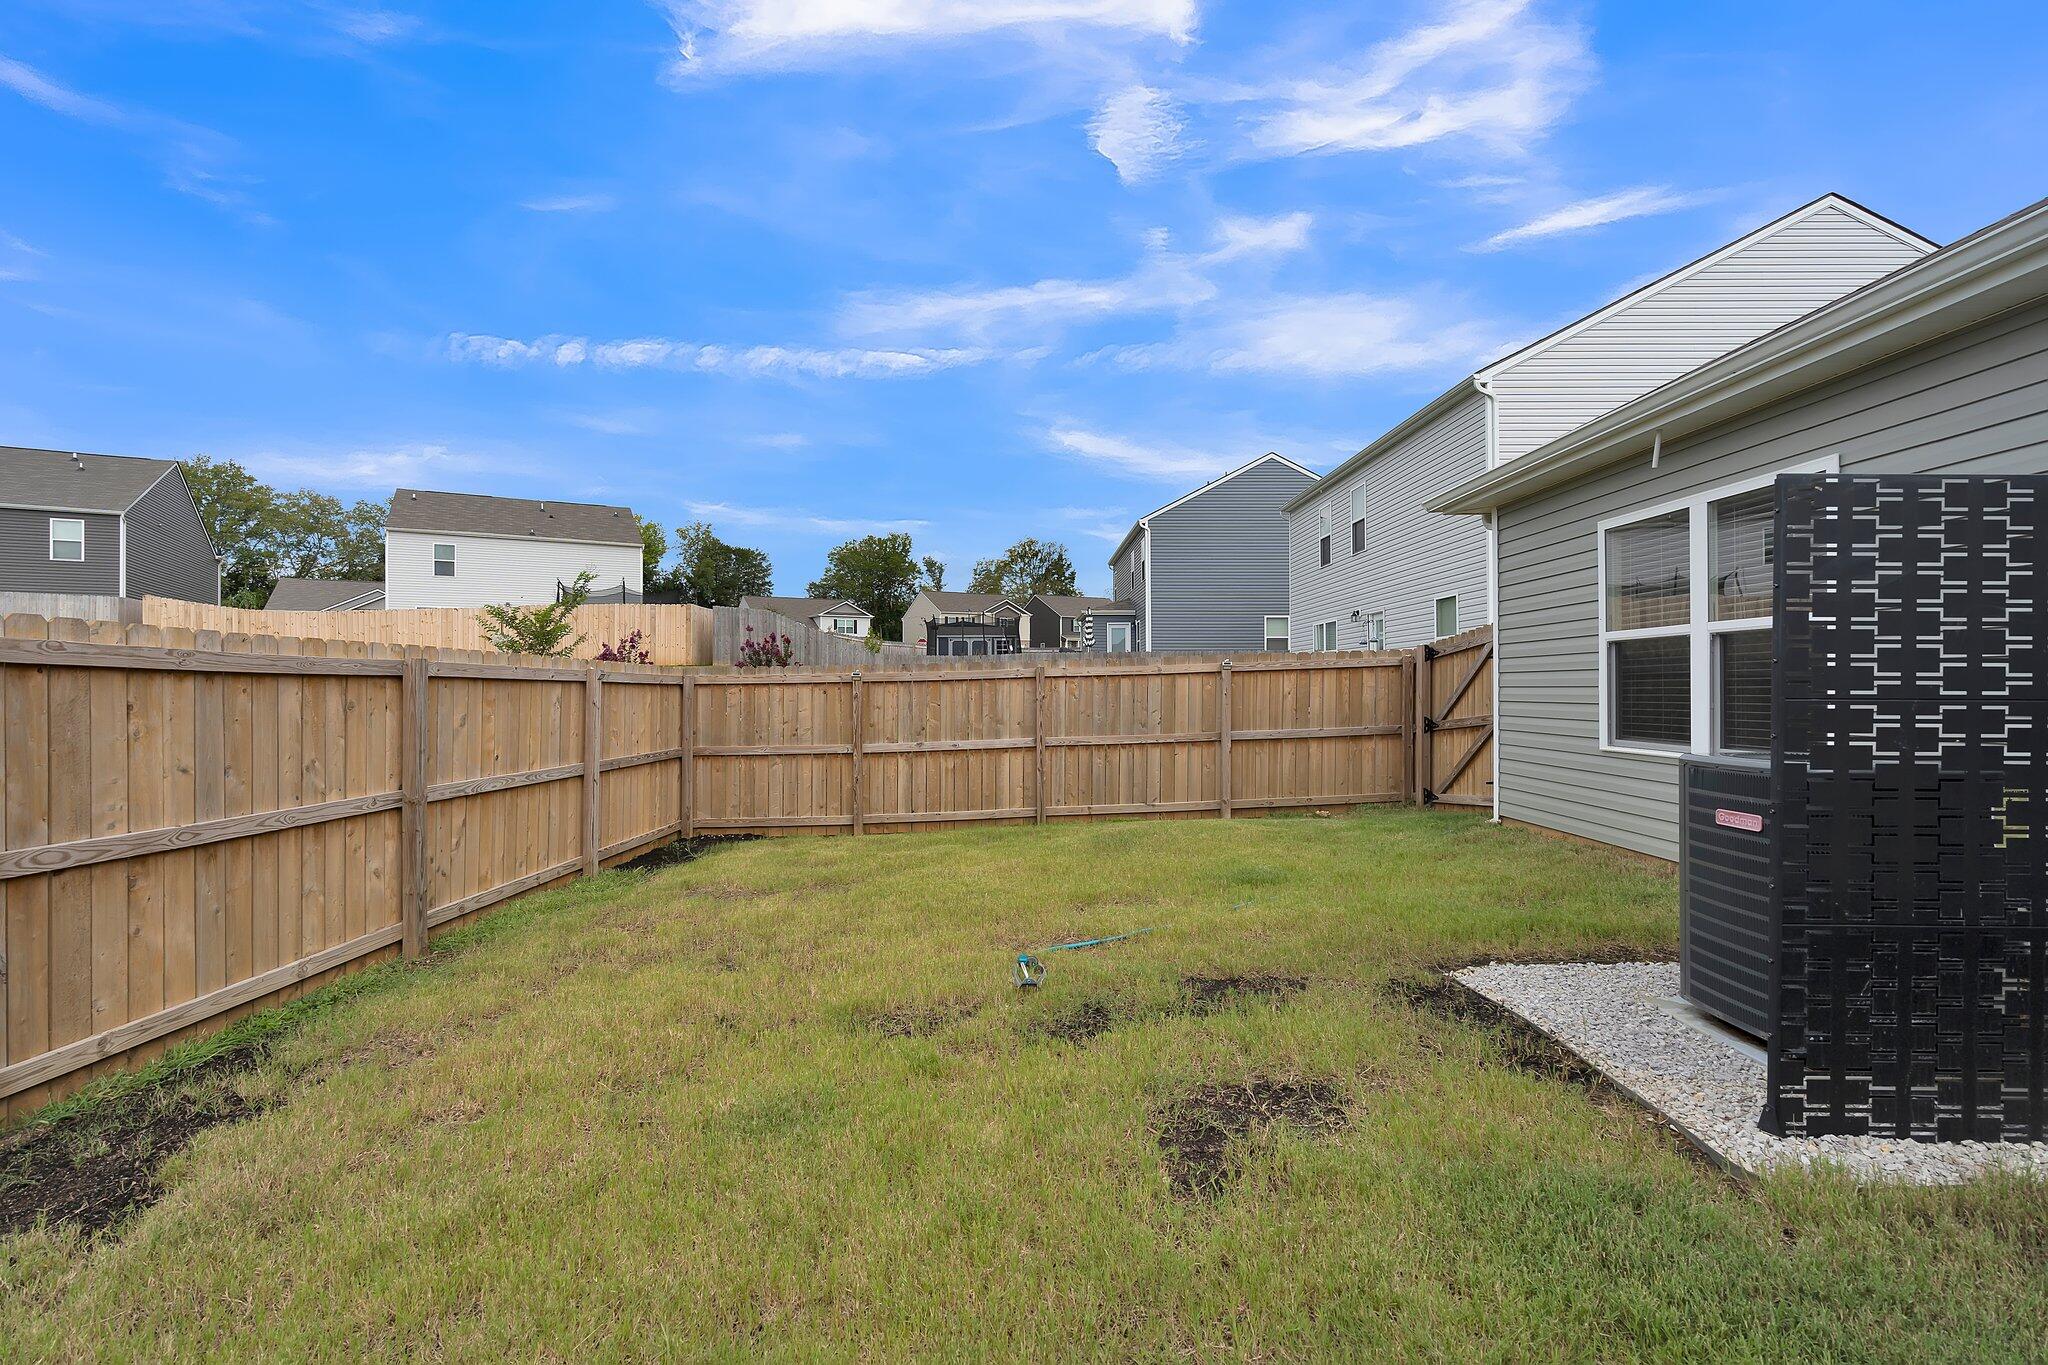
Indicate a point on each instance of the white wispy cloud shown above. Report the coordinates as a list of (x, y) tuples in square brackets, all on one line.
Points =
[(1099, 523), (1485, 70), (798, 519), (17, 259), (1641, 202), (1138, 130), (566, 352), (194, 159), (382, 467), (374, 25), (1164, 281), (780, 440), (1322, 337), (1158, 460), (571, 203), (727, 34)]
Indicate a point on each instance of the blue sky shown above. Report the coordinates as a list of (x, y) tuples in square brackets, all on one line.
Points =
[(976, 269)]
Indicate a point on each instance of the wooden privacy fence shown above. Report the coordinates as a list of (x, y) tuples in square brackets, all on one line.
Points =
[(196, 824), (674, 634), (1454, 719)]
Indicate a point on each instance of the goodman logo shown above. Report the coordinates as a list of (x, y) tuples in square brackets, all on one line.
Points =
[(1739, 819)]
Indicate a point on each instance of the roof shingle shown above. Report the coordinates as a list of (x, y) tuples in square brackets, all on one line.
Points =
[(480, 514)]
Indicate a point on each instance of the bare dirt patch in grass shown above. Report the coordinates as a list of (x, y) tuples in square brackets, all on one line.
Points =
[(93, 1170), (1208, 994), (1075, 1023), (1201, 1135), (679, 851), (915, 1021)]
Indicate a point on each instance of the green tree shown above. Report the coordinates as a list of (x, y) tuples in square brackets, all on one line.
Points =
[(653, 549), (1029, 567), (264, 535), (712, 573), (876, 572), (537, 630), (934, 573)]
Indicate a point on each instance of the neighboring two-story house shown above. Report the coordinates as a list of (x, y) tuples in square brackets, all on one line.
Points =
[(1209, 570), (1089, 625), (998, 624), (1371, 567), (471, 550), (835, 615), (102, 525)]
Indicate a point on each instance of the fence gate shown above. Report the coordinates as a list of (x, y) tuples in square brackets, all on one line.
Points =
[(1909, 685), (1454, 715)]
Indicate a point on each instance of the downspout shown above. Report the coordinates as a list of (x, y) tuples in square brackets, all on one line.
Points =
[(1145, 563), (121, 555), (1493, 578)]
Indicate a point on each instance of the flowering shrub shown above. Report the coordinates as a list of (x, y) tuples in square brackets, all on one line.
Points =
[(631, 650), (769, 651)]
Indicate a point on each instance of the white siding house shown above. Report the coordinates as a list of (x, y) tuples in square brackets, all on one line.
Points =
[(469, 550), (1405, 571)]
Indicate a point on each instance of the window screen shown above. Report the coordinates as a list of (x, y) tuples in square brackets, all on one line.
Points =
[(1743, 674), (1276, 634), (1650, 682), (1446, 616), (1649, 582), (67, 539), (444, 561), (1741, 571)]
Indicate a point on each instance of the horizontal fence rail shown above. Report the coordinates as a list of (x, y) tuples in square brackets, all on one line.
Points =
[(198, 823)]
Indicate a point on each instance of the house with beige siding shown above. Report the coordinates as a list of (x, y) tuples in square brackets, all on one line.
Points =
[(1370, 566), (1636, 551)]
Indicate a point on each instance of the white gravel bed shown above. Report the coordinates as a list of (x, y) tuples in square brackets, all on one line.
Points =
[(1626, 1021)]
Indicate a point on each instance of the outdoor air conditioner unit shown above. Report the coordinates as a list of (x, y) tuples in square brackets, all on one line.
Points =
[(1726, 937)]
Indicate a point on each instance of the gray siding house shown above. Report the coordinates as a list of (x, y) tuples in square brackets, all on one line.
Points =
[(1083, 625), (1371, 566), (104, 525), (1635, 552), (1208, 571), (325, 594)]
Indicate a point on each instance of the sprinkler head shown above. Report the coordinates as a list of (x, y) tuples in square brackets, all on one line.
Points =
[(1027, 971)]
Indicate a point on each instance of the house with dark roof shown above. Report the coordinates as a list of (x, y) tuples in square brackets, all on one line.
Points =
[(471, 549), (1089, 625), (325, 594), (835, 615), (102, 525), (941, 622)]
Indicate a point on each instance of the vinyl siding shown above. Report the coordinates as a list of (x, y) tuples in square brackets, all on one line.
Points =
[(493, 569), (1127, 581), (1805, 263), (26, 566), (1219, 562), (1412, 556), (169, 554), (1972, 404)]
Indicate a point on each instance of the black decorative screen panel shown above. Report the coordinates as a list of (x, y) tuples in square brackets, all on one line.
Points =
[(1909, 685)]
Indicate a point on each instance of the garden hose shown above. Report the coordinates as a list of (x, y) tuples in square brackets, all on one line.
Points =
[(1028, 971)]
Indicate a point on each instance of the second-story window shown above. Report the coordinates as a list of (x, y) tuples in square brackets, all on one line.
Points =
[(444, 561), (1358, 519), (1323, 537), (67, 539)]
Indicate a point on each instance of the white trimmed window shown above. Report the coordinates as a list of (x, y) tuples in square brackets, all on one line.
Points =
[(1685, 622), (1276, 634), (1326, 635), (1446, 616), (1358, 519), (67, 539), (1323, 537), (444, 561), (1375, 630), (843, 625)]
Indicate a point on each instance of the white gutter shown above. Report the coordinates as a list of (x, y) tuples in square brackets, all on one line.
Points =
[(121, 557), (1145, 562)]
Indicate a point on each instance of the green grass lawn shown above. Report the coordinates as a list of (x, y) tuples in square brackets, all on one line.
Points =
[(783, 1102)]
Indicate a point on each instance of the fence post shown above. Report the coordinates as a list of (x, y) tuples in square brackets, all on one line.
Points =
[(1223, 728), (859, 742), (688, 780), (1421, 672), (593, 760), (1038, 743), (414, 741)]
